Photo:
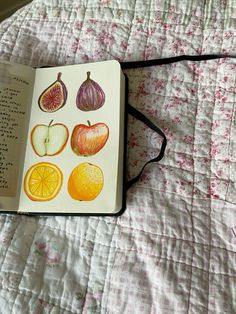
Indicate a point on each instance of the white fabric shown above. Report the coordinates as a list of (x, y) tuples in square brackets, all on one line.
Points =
[(173, 250)]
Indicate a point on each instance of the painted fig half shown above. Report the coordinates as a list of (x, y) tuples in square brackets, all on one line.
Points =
[(54, 97)]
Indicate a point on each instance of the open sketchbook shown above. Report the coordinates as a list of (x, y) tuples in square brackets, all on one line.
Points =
[(62, 138)]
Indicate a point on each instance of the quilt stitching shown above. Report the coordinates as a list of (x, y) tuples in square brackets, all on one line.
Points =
[(230, 149), (18, 33), (115, 241), (210, 210), (191, 212), (109, 279), (22, 273), (130, 31), (190, 284), (81, 30), (6, 252), (108, 260), (174, 261), (74, 235), (120, 249), (30, 294), (89, 272)]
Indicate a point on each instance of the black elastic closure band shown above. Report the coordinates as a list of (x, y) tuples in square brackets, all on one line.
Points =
[(140, 116), (149, 63)]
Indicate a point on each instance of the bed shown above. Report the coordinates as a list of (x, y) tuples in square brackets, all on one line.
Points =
[(174, 248)]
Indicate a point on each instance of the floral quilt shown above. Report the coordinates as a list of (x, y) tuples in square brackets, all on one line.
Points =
[(174, 248)]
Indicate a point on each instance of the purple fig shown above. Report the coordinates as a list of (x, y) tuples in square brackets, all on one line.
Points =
[(90, 95), (54, 97)]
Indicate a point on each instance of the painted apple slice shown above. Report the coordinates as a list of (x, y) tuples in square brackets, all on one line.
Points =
[(87, 140), (90, 95), (54, 97), (49, 140)]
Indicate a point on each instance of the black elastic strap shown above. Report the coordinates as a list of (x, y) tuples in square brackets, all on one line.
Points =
[(149, 63), (140, 116)]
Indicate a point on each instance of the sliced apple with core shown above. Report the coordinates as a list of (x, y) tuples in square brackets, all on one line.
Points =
[(49, 140), (87, 140)]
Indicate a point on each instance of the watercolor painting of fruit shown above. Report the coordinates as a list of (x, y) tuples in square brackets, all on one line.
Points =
[(49, 140), (90, 95), (43, 182), (88, 140), (85, 182), (54, 97)]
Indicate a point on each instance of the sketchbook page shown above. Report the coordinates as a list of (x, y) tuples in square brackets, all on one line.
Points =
[(16, 89), (68, 167)]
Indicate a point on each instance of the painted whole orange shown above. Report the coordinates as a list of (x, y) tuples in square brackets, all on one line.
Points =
[(85, 182)]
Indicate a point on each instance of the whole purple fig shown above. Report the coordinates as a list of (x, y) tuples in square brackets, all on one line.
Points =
[(90, 95)]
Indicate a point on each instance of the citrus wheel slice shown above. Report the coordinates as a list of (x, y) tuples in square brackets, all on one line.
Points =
[(43, 181)]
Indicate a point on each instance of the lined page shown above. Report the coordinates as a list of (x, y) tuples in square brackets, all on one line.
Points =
[(16, 89)]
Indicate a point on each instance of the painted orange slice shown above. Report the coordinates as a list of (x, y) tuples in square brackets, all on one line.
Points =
[(43, 181)]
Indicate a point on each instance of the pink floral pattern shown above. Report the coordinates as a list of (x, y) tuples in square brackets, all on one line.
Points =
[(172, 251), (89, 301), (49, 252), (42, 307)]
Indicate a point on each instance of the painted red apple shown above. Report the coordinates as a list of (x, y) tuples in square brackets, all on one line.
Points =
[(87, 140)]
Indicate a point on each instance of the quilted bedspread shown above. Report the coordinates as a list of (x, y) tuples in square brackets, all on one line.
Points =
[(174, 249)]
